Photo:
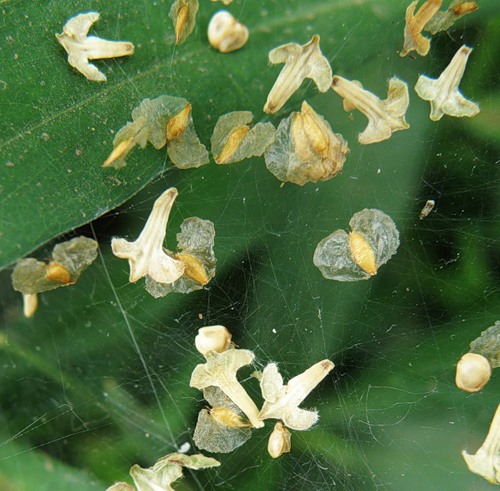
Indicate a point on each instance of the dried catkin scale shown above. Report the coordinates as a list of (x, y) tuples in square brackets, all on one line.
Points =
[(225, 33), (473, 372)]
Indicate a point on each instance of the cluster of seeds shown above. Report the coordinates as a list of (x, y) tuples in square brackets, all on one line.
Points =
[(303, 148)]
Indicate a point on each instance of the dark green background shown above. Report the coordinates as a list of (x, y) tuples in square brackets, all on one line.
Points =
[(98, 379)]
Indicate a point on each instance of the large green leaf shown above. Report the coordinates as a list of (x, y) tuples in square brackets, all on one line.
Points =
[(99, 377)]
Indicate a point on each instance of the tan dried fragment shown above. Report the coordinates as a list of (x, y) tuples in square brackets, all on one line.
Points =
[(428, 207), (225, 33), (234, 139), (69, 260), (164, 472), (486, 461), (225, 2), (183, 15), (146, 256), (442, 21), (415, 24), (82, 48), (443, 93), (384, 116), (279, 441), (282, 401), (305, 149), (301, 62), (220, 371)]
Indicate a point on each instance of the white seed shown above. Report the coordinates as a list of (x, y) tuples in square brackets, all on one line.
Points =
[(473, 372), (212, 338), (225, 33)]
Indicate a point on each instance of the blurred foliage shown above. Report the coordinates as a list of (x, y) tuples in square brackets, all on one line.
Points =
[(98, 379)]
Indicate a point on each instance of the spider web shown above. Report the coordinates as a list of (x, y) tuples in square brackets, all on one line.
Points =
[(99, 380)]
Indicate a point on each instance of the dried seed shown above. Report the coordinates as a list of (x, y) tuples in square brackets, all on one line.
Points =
[(183, 15), (443, 93), (193, 268), (229, 418), (362, 253), (305, 149), (428, 207), (58, 273), (301, 62), (279, 441), (234, 139), (384, 116), (177, 125), (344, 257), (212, 338), (82, 48), (473, 372), (225, 33)]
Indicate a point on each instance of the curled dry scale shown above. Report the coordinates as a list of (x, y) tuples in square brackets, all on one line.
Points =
[(302, 149), (373, 240)]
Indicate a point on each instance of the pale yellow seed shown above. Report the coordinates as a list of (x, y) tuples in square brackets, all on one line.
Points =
[(57, 272), (232, 144), (310, 133), (30, 304), (362, 253), (177, 125), (229, 418), (279, 441), (193, 268), (473, 372), (180, 22), (117, 152)]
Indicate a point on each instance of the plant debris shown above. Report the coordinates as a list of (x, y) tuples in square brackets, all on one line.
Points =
[(443, 93), (166, 120), (301, 62), (384, 116), (234, 139), (305, 149), (81, 48), (374, 239), (225, 33)]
